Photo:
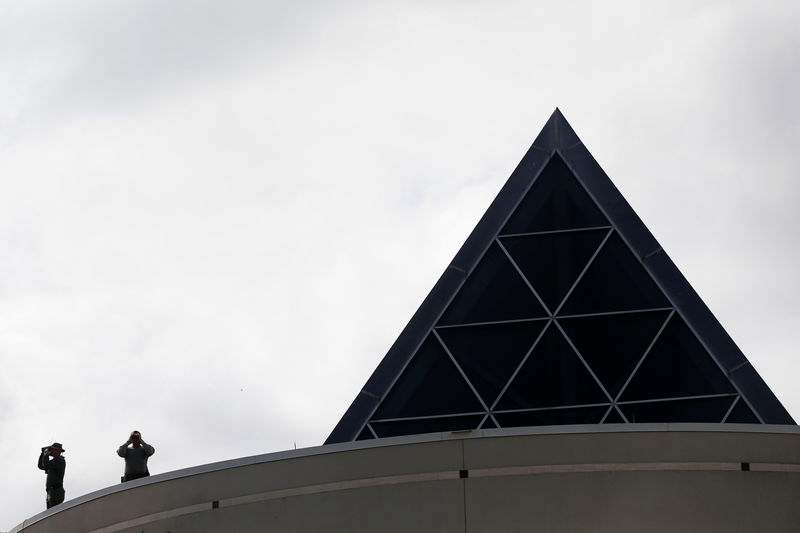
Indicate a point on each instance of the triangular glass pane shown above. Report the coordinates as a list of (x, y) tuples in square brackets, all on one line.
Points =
[(741, 414), (615, 281), (493, 292), (613, 418), (426, 425), (709, 410), (677, 365), (552, 376), (365, 434), (430, 385), (489, 424), (556, 201), (552, 417), (489, 354), (552, 261), (612, 345)]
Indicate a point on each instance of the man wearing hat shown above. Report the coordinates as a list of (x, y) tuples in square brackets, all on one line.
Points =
[(54, 465)]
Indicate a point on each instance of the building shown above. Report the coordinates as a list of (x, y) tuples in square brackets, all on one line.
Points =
[(561, 375), (560, 308)]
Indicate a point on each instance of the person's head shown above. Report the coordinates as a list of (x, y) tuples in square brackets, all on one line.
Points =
[(55, 449), (136, 437)]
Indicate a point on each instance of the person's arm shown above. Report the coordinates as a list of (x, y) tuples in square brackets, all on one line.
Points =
[(43, 461), (148, 450), (122, 451)]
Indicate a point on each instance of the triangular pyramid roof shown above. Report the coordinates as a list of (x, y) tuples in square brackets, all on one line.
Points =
[(560, 308)]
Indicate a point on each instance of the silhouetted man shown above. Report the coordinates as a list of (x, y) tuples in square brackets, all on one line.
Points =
[(52, 462), (135, 451)]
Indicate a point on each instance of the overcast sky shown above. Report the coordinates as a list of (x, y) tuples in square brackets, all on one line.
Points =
[(216, 217)]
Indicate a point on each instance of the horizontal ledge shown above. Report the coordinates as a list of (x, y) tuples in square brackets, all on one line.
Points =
[(441, 436), (552, 232), (554, 317), (604, 467), (678, 398), (530, 470), (425, 418)]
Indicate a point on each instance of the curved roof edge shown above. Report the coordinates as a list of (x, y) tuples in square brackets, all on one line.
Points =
[(404, 440)]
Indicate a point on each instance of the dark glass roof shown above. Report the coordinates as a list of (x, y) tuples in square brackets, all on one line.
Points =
[(560, 308)]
